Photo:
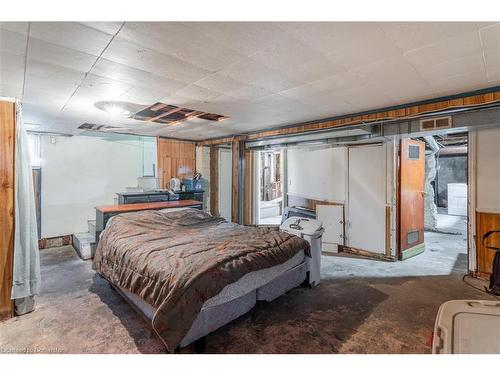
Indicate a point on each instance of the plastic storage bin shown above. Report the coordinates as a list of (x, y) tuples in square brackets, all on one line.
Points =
[(467, 327)]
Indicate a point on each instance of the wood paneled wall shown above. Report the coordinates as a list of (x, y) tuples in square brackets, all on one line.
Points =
[(175, 159), (7, 147), (484, 223)]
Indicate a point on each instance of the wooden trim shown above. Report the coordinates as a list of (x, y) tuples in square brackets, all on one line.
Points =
[(309, 203), (235, 146), (146, 206), (47, 243), (214, 181), (365, 253), (413, 251), (7, 220), (403, 112)]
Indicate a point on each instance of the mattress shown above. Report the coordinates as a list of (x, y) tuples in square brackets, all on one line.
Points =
[(240, 288), (215, 315)]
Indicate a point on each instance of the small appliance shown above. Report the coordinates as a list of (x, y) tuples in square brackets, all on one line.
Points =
[(174, 184)]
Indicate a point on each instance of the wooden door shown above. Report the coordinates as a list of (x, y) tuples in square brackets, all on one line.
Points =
[(411, 198)]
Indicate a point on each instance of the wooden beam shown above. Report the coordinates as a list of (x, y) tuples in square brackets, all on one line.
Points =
[(403, 112), (153, 119), (7, 148), (214, 181)]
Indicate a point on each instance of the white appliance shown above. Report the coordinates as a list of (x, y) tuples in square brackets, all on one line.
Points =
[(467, 327), (311, 230), (457, 199), (174, 184)]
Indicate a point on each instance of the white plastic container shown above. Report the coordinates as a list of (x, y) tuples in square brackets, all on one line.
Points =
[(311, 230), (467, 327), (457, 199)]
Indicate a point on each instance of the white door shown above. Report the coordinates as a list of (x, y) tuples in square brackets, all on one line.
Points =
[(332, 217), (367, 198), (225, 183)]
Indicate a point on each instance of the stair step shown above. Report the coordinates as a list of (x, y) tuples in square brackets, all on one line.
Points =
[(91, 225), (84, 244)]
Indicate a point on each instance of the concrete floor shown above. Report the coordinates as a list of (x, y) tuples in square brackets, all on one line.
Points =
[(361, 306)]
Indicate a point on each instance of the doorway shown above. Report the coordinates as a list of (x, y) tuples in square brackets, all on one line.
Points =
[(443, 206), (271, 172)]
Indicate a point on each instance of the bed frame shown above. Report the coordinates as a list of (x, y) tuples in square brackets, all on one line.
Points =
[(213, 317)]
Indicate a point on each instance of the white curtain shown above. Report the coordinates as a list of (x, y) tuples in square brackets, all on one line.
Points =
[(26, 257)]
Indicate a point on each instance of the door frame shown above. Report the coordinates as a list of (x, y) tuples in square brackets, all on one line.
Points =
[(471, 197)]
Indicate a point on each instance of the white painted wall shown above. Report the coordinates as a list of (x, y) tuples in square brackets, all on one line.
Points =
[(81, 172), (367, 198), (488, 170), (318, 173)]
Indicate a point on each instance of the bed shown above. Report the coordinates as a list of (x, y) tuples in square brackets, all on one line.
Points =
[(190, 273)]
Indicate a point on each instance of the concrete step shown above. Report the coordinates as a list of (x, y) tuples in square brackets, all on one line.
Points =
[(84, 244), (91, 225)]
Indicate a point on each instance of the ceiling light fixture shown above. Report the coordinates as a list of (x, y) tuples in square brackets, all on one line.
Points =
[(118, 109)]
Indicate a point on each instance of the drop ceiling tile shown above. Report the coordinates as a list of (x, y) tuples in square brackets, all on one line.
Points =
[(105, 27), (490, 36), (349, 44), (414, 35), (17, 27), (139, 57), (337, 81), (54, 73), (11, 64), (246, 38), (138, 77), (460, 83), (427, 58), (12, 42), (468, 65), (249, 92), (286, 52), (257, 74), (61, 56), (198, 93), (104, 88), (11, 91), (390, 73), (492, 60), (313, 70), (71, 35), (143, 96), (46, 85), (219, 83), (181, 42)]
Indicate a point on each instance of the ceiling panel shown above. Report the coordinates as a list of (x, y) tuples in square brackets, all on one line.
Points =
[(259, 74), (72, 35), (61, 56), (413, 35), (134, 55), (490, 36)]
